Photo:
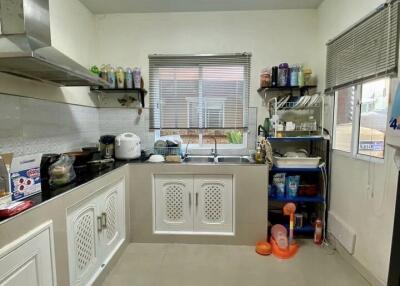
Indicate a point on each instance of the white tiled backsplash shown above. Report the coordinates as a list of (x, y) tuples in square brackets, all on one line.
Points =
[(30, 126)]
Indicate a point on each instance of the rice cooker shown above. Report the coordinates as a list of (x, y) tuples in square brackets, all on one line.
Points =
[(127, 146)]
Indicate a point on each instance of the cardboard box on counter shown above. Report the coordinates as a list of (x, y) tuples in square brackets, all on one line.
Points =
[(25, 176)]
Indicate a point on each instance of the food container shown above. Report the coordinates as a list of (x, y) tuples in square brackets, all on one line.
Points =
[(265, 78), (283, 74), (274, 77), (293, 162), (307, 76)]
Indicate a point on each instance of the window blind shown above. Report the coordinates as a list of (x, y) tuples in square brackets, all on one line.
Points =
[(368, 49), (199, 91)]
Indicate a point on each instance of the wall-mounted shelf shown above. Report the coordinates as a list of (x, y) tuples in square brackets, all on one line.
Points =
[(123, 91), (295, 139), (297, 199), (301, 89)]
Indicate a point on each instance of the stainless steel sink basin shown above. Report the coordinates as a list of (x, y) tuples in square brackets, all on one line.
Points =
[(199, 159), (219, 159), (234, 159)]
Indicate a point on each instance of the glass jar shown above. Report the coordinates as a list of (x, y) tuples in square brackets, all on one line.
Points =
[(265, 78), (283, 74), (307, 76)]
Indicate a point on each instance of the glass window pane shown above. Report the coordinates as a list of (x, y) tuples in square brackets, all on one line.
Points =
[(344, 118), (373, 118)]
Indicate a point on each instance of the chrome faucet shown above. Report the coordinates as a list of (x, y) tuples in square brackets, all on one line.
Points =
[(214, 152), (186, 151)]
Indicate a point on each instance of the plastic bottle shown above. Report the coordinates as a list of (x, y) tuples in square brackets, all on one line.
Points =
[(137, 77), (111, 76), (103, 74), (294, 72), (318, 232), (129, 78), (274, 76), (120, 75), (301, 77)]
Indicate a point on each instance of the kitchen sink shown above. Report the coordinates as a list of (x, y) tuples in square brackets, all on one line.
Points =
[(199, 159), (234, 159), (220, 159)]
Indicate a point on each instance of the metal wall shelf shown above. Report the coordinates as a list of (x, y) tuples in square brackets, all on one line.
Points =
[(141, 91)]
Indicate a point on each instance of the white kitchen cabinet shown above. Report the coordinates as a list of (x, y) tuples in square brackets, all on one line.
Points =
[(214, 203), (189, 204), (96, 229), (29, 260), (174, 202)]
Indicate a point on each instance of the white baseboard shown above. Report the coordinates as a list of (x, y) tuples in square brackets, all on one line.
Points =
[(374, 281)]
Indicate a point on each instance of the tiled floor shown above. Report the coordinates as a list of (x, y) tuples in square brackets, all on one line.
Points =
[(190, 265)]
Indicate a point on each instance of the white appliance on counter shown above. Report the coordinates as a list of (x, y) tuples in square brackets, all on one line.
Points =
[(127, 146)]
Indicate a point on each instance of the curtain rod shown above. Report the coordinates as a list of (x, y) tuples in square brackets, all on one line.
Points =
[(198, 55), (363, 19)]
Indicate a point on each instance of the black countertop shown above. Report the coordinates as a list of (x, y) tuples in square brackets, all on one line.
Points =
[(49, 193)]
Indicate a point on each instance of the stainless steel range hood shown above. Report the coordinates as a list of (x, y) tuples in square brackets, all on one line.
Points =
[(25, 46)]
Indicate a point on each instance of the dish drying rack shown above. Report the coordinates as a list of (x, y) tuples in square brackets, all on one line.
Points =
[(290, 116), (167, 151)]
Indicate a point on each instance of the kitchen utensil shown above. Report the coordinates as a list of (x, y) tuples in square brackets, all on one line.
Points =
[(127, 146), (107, 146)]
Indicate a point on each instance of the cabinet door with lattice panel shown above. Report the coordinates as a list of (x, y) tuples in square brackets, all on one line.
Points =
[(173, 203), (83, 242), (112, 214), (214, 207)]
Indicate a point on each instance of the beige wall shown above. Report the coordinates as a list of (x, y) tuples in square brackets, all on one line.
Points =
[(271, 36), (73, 29), (362, 193)]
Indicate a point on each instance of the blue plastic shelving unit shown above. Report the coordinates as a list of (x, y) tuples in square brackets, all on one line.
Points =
[(295, 170), (298, 199)]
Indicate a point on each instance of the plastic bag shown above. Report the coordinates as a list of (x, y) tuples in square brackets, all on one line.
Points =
[(292, 185), (62, 171), (278, 181)]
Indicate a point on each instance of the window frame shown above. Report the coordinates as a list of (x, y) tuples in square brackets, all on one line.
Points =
[(355, 138), (203, 116)]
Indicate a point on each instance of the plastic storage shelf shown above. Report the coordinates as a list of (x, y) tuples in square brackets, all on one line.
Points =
[(298, 199), (295, 139), (295, 170)]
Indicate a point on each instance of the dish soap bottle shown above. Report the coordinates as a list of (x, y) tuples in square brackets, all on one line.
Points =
[(258, 157)]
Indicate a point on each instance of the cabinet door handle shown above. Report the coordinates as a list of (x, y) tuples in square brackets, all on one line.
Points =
[(190, 200), (197, 199), (99, 225), (104, 220)]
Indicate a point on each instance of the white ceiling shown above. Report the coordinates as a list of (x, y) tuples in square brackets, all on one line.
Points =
[(148, 6)]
